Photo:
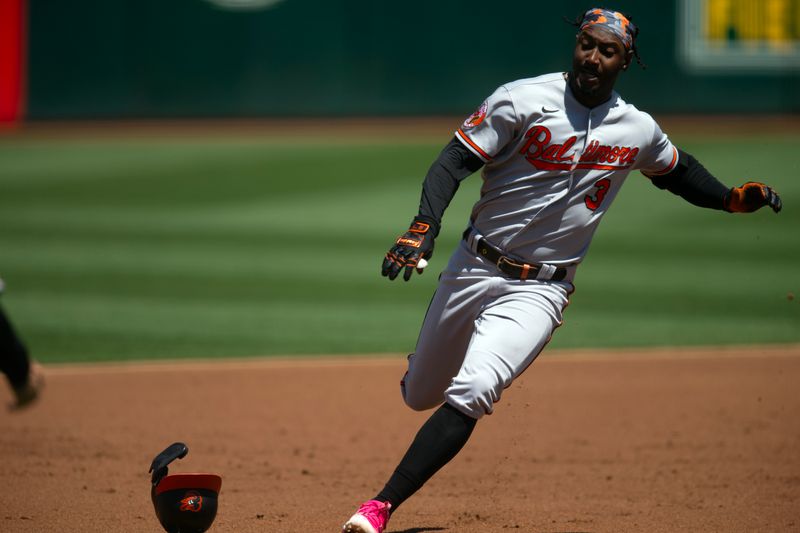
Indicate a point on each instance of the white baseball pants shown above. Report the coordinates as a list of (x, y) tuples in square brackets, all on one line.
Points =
[(481, 331)]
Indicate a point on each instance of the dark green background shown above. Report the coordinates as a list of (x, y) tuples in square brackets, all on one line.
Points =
[(184, 58)]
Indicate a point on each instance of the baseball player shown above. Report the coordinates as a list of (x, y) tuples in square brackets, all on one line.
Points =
[(555, 151), (23, 376)]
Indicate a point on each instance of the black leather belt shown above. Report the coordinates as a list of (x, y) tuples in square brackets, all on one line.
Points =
[(512, 268)]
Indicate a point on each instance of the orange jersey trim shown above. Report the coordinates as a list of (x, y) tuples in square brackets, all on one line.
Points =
[(669, 167), (474, 147)]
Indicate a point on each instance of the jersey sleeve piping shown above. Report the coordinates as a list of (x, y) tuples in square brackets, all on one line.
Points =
[(668, 168), (474, 148)]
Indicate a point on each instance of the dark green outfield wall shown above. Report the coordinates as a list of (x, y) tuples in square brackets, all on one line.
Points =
[(178, 58)]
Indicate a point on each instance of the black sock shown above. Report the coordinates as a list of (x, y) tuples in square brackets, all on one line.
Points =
[(437, 442)]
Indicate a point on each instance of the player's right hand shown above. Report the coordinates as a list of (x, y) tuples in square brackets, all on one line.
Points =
[(408, 249), (752, 196)]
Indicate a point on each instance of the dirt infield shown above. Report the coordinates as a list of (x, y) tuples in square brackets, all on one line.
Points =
[(657, 441)]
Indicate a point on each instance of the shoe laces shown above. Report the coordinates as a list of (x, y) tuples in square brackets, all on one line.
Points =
[(376, 512)]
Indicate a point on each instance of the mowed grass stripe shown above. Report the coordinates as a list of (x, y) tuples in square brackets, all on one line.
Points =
[(177, 248)]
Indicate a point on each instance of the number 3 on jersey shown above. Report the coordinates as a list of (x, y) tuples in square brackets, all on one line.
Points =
[(594, 199)]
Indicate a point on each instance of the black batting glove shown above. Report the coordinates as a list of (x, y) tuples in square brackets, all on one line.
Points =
[(750, 197), (408, 249)]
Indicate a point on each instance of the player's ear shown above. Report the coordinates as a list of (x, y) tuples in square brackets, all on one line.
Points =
[(628, 59)]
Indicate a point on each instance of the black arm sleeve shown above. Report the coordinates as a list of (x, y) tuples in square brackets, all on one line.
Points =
[(454, 163), (691, 181)]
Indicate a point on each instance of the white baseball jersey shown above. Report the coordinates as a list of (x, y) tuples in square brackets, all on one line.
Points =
[(553, 166), (552, 169)]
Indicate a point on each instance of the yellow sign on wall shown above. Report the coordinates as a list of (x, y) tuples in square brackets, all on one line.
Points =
[(730, 35)]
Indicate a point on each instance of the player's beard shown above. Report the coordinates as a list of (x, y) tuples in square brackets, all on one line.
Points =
[(590, 86), (586, 80), (580, 88)]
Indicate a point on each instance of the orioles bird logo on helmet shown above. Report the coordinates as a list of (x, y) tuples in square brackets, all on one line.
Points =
[(192, 501)]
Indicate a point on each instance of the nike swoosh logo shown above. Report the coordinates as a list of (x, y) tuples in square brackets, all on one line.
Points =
[(545, 110)]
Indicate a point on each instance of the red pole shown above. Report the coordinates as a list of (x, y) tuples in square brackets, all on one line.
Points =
[(13, 26)]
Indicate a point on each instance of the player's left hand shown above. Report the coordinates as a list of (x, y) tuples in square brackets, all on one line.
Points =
[(409, 250), (750, 197)]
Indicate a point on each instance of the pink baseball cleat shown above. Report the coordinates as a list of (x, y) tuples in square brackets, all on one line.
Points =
[(371, 517)]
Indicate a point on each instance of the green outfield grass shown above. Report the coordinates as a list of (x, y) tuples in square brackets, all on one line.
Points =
[(168, 248)]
